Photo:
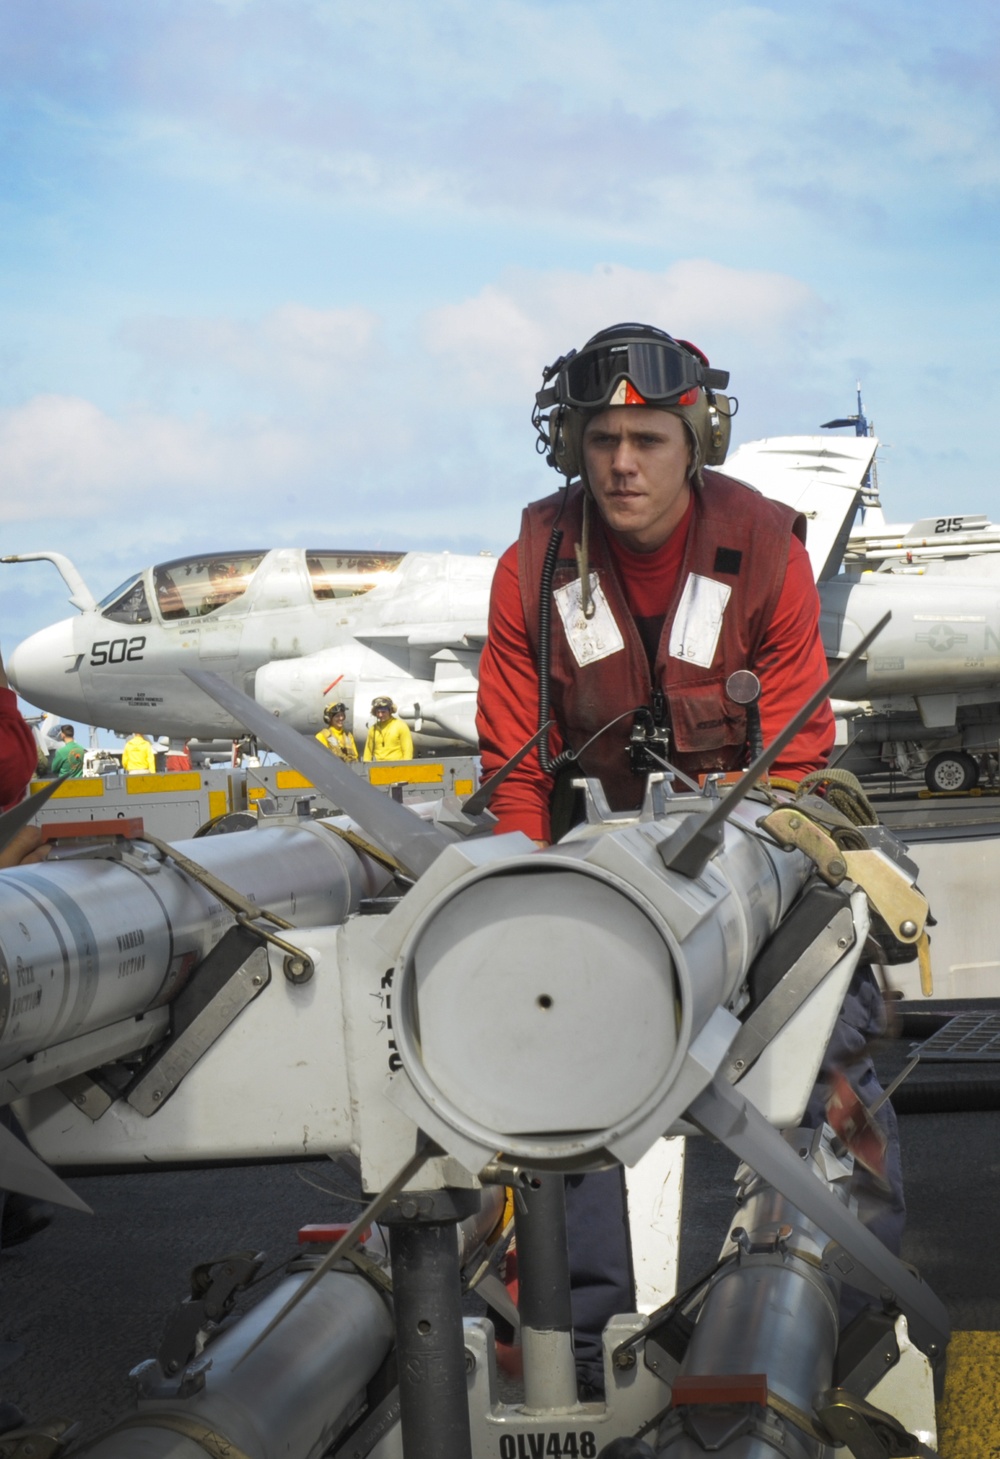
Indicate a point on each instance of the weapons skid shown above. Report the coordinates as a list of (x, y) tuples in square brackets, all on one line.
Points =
[(493, 1015)]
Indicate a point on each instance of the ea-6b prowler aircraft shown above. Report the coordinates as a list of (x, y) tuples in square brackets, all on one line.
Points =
[(297, 627), (293, 627)]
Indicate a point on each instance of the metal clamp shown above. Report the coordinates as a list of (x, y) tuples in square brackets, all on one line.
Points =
[(884, 883), (233, 974), (792, 829), (790, 993), (216, 1445), (38, 1441), (867, 1432), (773, 1242), (180, 1366), (298, 966)]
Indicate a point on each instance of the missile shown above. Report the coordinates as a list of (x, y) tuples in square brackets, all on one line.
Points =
[(96, 942), (760, 1375), (286, 1394), (611, 982), (770, 1319), (290, 1399)]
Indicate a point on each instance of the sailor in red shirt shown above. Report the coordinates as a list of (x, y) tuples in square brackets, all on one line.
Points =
[(18, 751), (652, 519), (630, 597)]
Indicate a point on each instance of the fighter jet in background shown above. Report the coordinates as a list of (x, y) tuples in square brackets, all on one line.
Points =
[(926, 698), (293, 627)]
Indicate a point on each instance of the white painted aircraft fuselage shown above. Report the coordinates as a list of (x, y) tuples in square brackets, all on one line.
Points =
[(296, 628)]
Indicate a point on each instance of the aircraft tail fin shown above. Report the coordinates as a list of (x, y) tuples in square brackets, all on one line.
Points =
[(819, 476)]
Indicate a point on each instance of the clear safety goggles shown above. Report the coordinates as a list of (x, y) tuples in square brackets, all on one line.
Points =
[(660, 371)]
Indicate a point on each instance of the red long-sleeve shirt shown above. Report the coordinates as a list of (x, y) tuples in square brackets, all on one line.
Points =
[(790, 665), (18, 752)]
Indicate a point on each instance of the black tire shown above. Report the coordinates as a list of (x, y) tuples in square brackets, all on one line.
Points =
[(951, 771)]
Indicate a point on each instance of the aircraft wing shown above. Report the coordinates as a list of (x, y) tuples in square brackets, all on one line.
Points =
[(415, 649), (820, 476), (426, 636)]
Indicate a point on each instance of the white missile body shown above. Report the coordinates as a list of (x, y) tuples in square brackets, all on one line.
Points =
[(94, 948)]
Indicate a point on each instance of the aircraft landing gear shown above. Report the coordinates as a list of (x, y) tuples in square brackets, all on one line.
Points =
[(951, 770)]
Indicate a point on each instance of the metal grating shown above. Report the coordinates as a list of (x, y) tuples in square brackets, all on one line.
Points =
[(969, 1038)]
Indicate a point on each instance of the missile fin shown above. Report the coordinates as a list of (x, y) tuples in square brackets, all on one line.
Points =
[(690, 849), (414, 843), (22, 1171), (19, 815)]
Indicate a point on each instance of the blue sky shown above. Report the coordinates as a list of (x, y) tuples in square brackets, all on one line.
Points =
[(286, 271)]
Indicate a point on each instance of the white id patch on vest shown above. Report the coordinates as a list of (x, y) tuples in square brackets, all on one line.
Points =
[(694, 635), (593, 638)]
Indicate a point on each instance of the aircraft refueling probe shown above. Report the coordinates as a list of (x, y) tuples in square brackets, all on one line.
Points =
[(517, 1014)]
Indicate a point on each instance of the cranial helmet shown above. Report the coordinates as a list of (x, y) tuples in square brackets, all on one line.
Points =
[(382, 701), (632, 364), (333, 709)]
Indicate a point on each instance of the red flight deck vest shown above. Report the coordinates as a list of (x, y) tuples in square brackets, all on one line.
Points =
[(737, 538)]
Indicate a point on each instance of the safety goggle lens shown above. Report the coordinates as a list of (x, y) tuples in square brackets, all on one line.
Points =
[(658, 372)]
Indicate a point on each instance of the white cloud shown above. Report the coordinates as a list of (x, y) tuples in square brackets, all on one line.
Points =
[(62, 456), (543, 110), (311, 412), (498, 341), (292, 348), (537, 110)]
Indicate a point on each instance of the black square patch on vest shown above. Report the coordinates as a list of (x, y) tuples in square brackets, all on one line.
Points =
[(728, 559)]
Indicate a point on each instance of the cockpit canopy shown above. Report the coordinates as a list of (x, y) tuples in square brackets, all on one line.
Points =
[(127, 603), (348, 574), (190, 587)]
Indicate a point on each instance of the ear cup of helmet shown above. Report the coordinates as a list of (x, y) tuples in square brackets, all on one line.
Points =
[(709, 425), (711, 422), (565, 434)]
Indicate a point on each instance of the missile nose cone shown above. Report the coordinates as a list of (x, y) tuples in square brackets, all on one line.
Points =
[(43, 669)]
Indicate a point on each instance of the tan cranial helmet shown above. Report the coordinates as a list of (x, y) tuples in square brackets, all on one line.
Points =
[(632, 364), (382, 701)]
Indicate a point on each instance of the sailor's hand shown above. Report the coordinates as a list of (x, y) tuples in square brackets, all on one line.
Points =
[(25, 847)]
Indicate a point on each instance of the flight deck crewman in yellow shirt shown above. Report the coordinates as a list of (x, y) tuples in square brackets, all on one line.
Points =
[(389, 738), (338, 740)]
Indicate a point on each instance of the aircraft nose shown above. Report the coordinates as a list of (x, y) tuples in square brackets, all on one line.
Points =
[(43, 670)]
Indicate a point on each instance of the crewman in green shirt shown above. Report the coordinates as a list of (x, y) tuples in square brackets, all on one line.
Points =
[(68, 759)]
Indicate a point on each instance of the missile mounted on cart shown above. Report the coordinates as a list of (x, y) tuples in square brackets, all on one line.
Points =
[(466, 1012)]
